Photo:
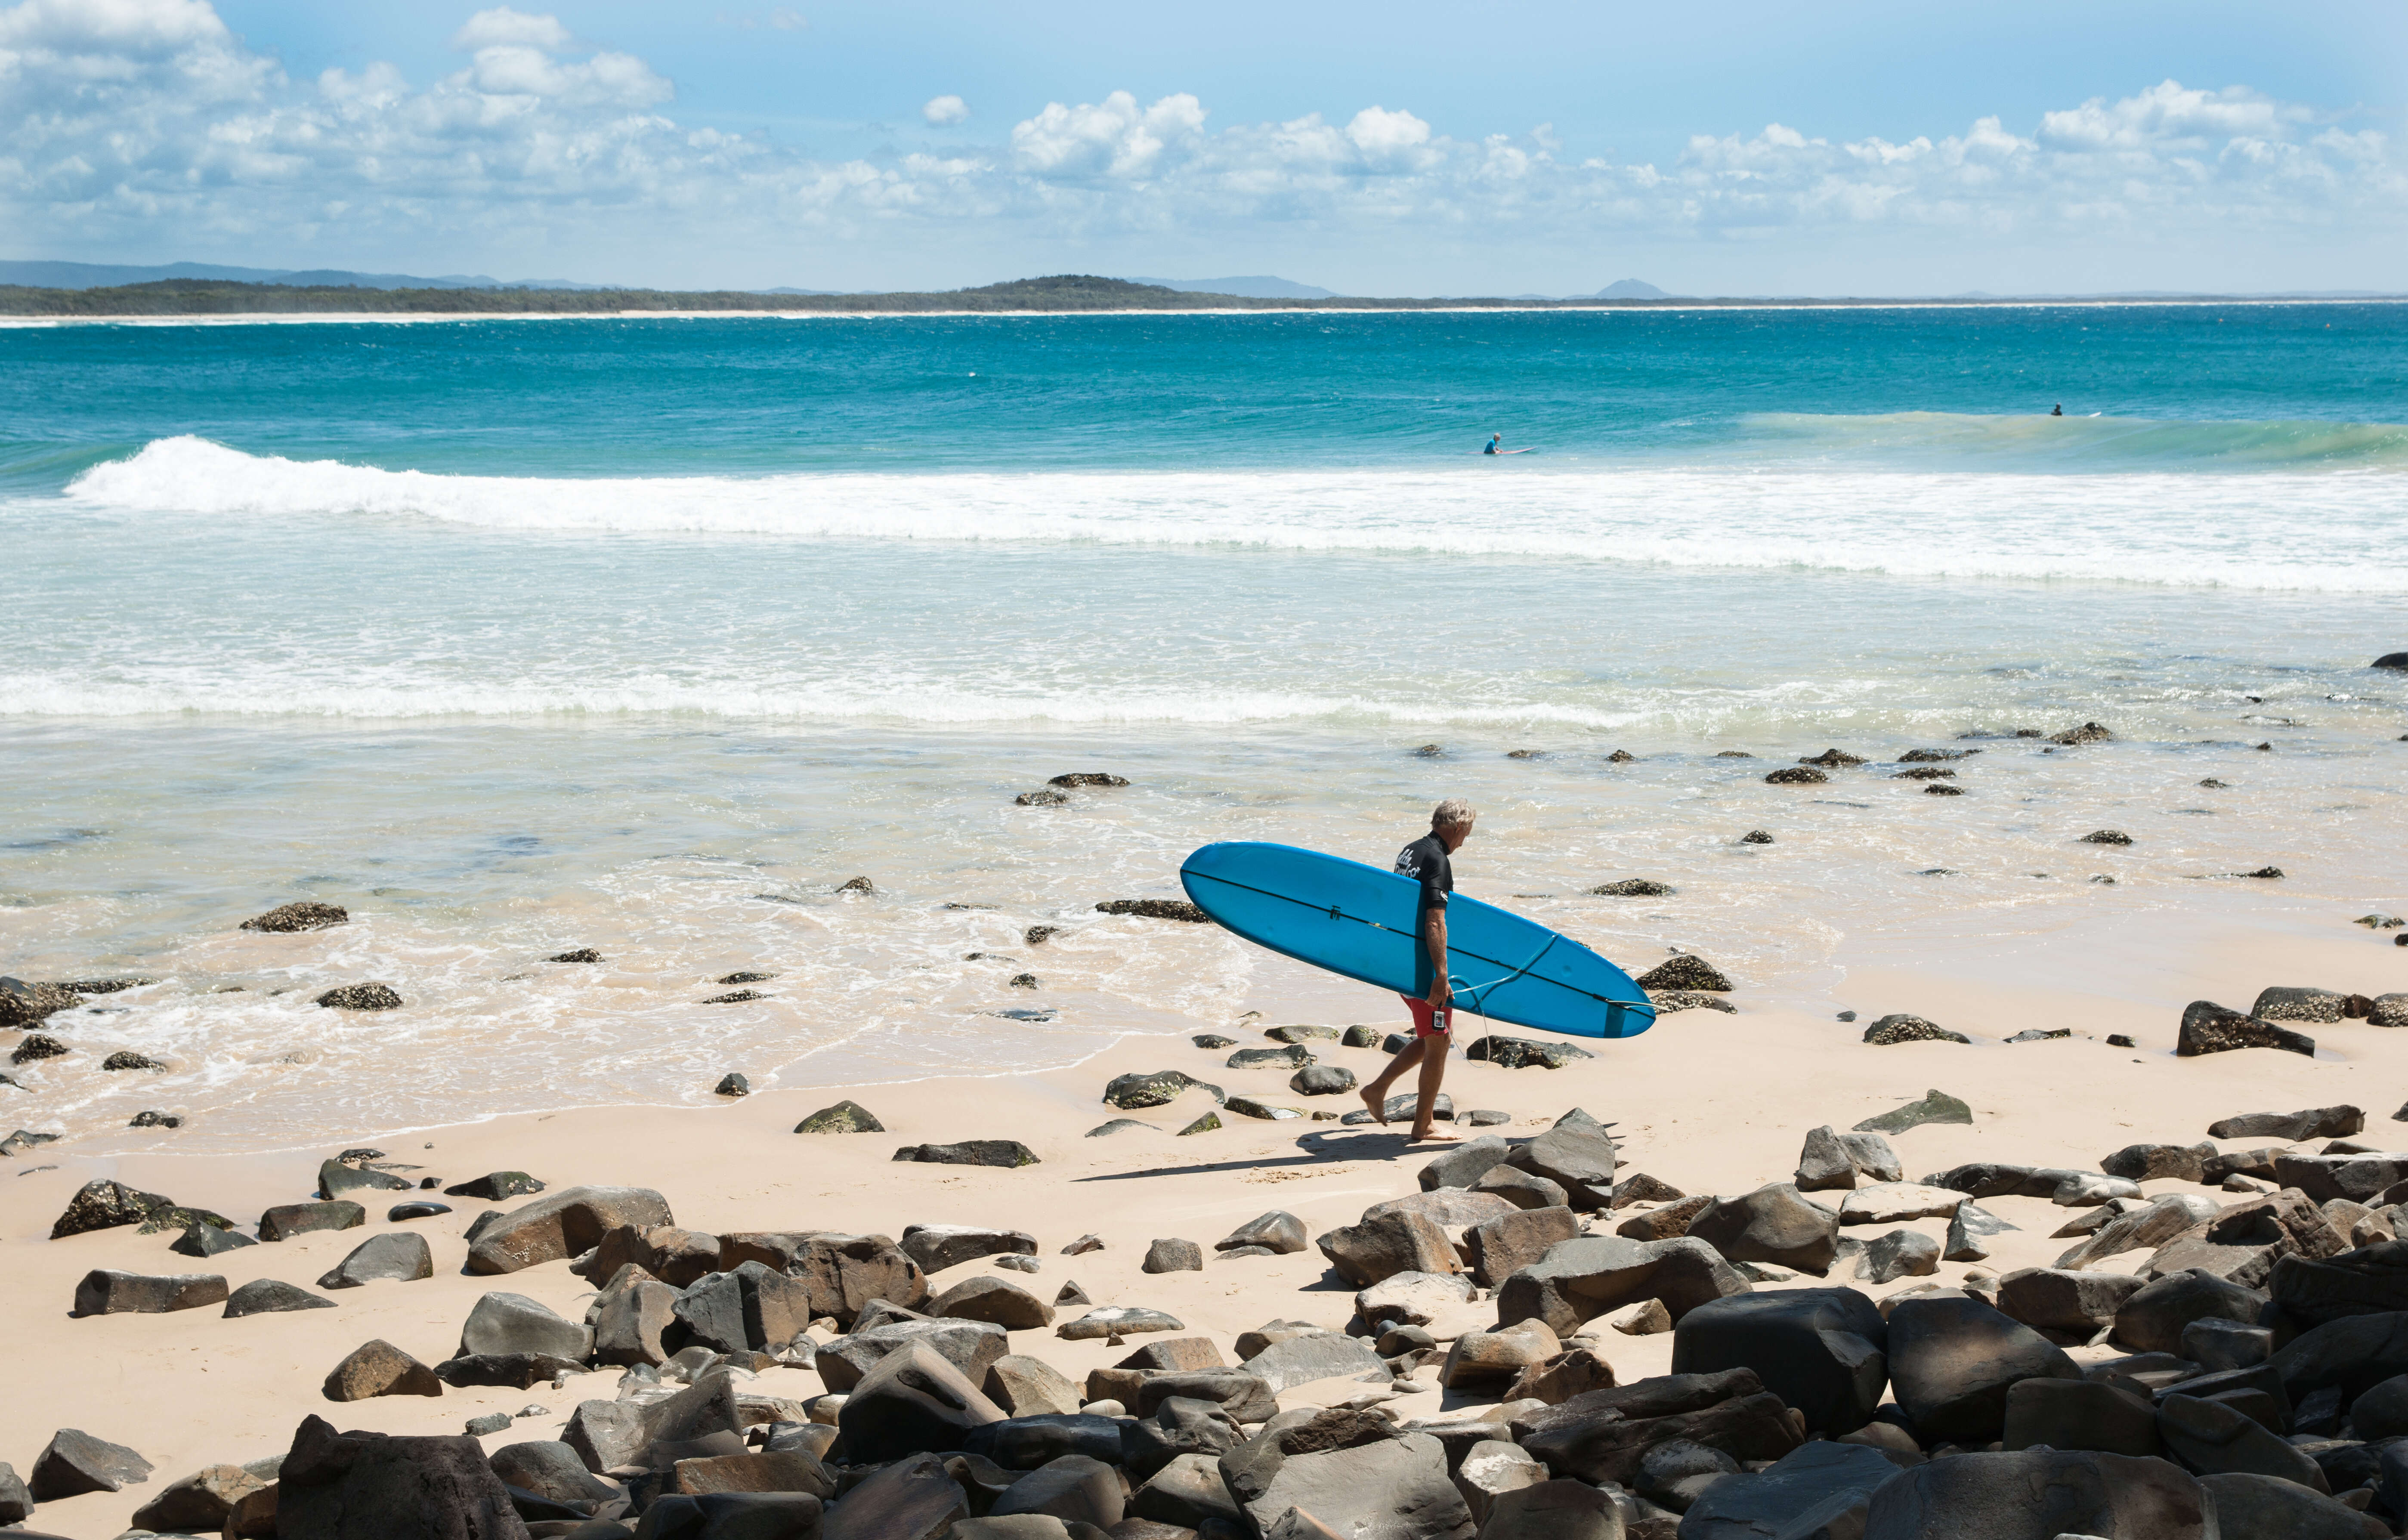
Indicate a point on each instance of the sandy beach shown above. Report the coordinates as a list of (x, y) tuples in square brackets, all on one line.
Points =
[(1708, 1101)]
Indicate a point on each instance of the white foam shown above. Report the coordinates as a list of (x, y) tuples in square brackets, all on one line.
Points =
[(2334, 532)]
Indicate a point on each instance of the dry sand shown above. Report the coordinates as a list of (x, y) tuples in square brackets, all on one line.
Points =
[(1711, 1102)]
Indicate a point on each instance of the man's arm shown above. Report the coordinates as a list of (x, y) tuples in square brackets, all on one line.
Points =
[(1434, 938)]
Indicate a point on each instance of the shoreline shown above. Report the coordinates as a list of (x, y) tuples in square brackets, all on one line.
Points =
[(1641, 306)]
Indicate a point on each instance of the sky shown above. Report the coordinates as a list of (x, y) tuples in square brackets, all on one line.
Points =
[(1391, 149)]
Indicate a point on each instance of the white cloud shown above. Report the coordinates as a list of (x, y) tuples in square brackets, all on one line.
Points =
[(146, 125), (503, 27)]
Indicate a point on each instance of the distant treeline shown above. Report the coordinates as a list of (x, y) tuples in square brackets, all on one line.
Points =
[(1066, 293)]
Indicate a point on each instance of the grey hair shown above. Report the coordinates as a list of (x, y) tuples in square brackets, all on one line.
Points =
[(1454, 813)]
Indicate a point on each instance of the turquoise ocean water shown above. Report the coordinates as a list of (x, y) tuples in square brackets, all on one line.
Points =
[(646, 634)]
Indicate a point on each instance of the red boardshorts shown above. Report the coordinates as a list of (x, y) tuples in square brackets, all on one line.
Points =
[(1428, 1023)]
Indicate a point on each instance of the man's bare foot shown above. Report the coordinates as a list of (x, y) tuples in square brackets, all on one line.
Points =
[(1374, 1101), (1424, 1136)]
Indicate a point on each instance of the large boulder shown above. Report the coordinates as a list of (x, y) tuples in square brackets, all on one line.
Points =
[(1073, 1487), (912, 1499), (1952, 1361), (2313, 1123), (1886, 1202), (351, 1486), (377, 1368), (502, 1323), (1029, 1386), (1299, 1360), (2370, 1280), (990, 1299), (1555, 1510), (844, 1273), (2065, 1302), (2159, 1162), (552, 1469), (1181, 1425), (1491, 1468), (106, 1292), (971, 1347), (2071, 1413), (1498, 1358), (74, 1462), (104, 1204), (2041, 1494), (2211, 1436), (1465, 1164), (1449, 1208), (937, 1248), (1578, 1157), (199, 1502), (2147, 1228), (1001, 1154), (1388, 1489), (1834, 1482), (1581, 1278), (2243, 1242), (2360, 1178), (1820, 1351), (396, 1257), (631, 1319), (1775, 1224), (2355, 1353), (2290, 1003), (1412, 1299), (562, 1225), (2248, 1504), (2208, 1028), (1186, 1493), (1389, 1243), (911, 1401), (1605, 1435), (1501, 1246)]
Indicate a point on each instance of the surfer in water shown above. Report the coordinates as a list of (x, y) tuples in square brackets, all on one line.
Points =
[(1496, 444), (1427, 861)]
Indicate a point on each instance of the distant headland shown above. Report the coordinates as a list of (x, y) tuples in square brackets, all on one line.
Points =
[(1063, 293)]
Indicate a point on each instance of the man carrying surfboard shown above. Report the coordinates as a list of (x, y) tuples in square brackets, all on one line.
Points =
[(1427, 860)]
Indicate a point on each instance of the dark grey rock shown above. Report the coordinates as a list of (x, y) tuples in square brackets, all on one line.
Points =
[(305, 915), (2313, 1123), (1900, 1027), (501, 1323), (2211, 1437), (1119, 1125), (1952, 1361), (1899, 1254), (1580, 1159), (2208, 1028), (74, 1462), (106, 1292), (1517, 1053), (843, 1117), (1465, 1164), (286, 1220), (361, 997), (1133, 1091), (1937, 1106), (401, 1257), (1322, 1080), (104, 1205), (420, 1210), (970, 1346), (910, 1402), (1820, 1351), (2249, 1503), (1524, 1189), (2071, 1303), (1277, 1232), (1969, 1228), (266, 1296), (494, 1187), (1774, 1224), (1000, 1152), (208, 1240), (2037, 1494), (1173, 1255), (1581, 1278), (2065, 1414), (1817, 1479), (2152, 1318), (936, 1247), (1685, 972)]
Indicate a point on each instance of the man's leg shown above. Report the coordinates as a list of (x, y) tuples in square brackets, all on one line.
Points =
[(1433, 1055), (1375, 1094)]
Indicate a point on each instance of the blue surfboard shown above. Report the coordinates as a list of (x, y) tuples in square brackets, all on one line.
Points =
[(1361, 921)]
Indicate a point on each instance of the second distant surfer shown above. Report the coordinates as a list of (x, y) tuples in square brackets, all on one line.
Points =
[(1428, 861)]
